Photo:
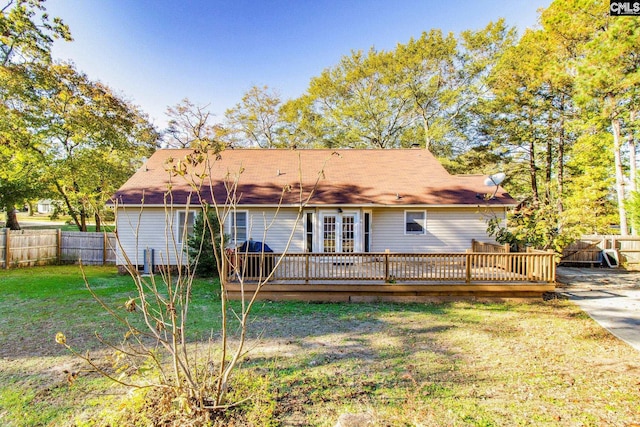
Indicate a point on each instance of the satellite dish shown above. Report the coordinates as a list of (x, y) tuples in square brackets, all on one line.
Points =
[(495, 179)]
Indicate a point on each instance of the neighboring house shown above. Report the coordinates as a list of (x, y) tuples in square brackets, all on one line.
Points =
[(45, 206), (398, 201)]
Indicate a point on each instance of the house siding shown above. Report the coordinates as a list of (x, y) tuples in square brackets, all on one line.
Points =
[(448, 229), (274, 228), (156, 228), (153, 228)]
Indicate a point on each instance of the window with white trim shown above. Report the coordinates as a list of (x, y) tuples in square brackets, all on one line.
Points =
[(308, 231), (185, 219), (415, 222), (239, 221)]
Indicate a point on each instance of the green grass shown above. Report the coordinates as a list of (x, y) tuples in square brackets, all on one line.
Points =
[(459, 364), (64, 223)]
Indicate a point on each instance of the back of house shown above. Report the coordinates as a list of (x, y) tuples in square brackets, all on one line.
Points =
[(317, 201)]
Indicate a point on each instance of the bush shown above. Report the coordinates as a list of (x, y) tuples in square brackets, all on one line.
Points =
[(202, 245)]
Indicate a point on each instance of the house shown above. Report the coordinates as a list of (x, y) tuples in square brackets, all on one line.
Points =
[(346, 201), (45, 206), (365, 201)]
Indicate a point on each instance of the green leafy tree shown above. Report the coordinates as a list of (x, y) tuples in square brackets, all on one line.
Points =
[(256, 120), (608, 84), (26, 36), (87, 140)]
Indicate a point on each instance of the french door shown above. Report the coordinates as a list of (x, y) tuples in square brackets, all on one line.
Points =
[(339, 232)]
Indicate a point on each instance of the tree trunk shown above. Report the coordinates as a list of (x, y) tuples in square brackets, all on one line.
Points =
[(98, 223), (532, 173), (83, 220), (12, 219), (615, 127), (560, 161), (631, 142), (547, 184)]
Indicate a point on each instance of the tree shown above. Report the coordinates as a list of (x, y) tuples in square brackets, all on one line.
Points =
[(155, 353), (87, 140), (26, 36), (256, 121), (190, 126), (608, 82)]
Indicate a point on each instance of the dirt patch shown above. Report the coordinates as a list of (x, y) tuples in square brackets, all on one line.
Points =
[(597, 278)]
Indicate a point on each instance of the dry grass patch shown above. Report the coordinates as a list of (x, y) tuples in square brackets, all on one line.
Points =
[(458, 364)]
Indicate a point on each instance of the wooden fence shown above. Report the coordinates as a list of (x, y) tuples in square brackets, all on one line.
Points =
[(38, 247), (592, 250)]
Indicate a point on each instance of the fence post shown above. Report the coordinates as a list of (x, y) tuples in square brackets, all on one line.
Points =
[(7, 249), (59, 248), (104, 248)]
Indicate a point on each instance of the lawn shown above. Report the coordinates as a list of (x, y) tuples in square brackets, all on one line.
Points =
[(64, 223), (454, 363)]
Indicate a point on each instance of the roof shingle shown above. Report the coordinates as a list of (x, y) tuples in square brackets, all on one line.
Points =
[(352, 177)]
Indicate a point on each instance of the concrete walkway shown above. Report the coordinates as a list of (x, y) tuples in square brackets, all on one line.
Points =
[(610, 296)]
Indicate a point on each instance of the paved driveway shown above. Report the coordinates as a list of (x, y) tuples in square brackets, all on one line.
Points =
[(610, 296)]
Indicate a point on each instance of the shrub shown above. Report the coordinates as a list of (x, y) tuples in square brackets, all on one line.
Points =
[(202, 244)]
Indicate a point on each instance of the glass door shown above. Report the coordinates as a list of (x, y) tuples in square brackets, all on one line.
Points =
[(339, 232)]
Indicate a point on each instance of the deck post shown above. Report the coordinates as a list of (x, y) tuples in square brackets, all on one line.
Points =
[(552, 266), (386, 265), (468, 267), (306, 268)]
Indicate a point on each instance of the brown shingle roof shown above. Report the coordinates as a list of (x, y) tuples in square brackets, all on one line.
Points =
[(352, 177)]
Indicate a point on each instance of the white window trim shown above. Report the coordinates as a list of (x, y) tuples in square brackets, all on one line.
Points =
[(312, 230), (232, 226), (424, 226), (180, 222)]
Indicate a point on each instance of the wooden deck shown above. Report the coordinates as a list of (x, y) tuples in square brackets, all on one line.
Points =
[(391, 276)]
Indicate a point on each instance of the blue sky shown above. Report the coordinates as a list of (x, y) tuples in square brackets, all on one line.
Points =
[(157, 52)]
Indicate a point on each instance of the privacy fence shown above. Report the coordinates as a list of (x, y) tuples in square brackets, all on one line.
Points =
[(605, 250), (39, 247)]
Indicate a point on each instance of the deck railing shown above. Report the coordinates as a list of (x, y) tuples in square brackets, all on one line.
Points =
[(471, 267), (492, 248)]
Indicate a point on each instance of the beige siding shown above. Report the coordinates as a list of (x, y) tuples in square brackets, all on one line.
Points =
[(274, 229), (153, 228), (157, 229), (448, 230)]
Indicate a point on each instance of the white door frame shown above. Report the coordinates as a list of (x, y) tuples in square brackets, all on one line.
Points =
[(339, 229)]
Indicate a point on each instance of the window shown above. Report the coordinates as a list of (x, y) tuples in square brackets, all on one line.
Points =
[(367, 232), (309, 231), (185, 219), (239, 226), (415, 222)]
